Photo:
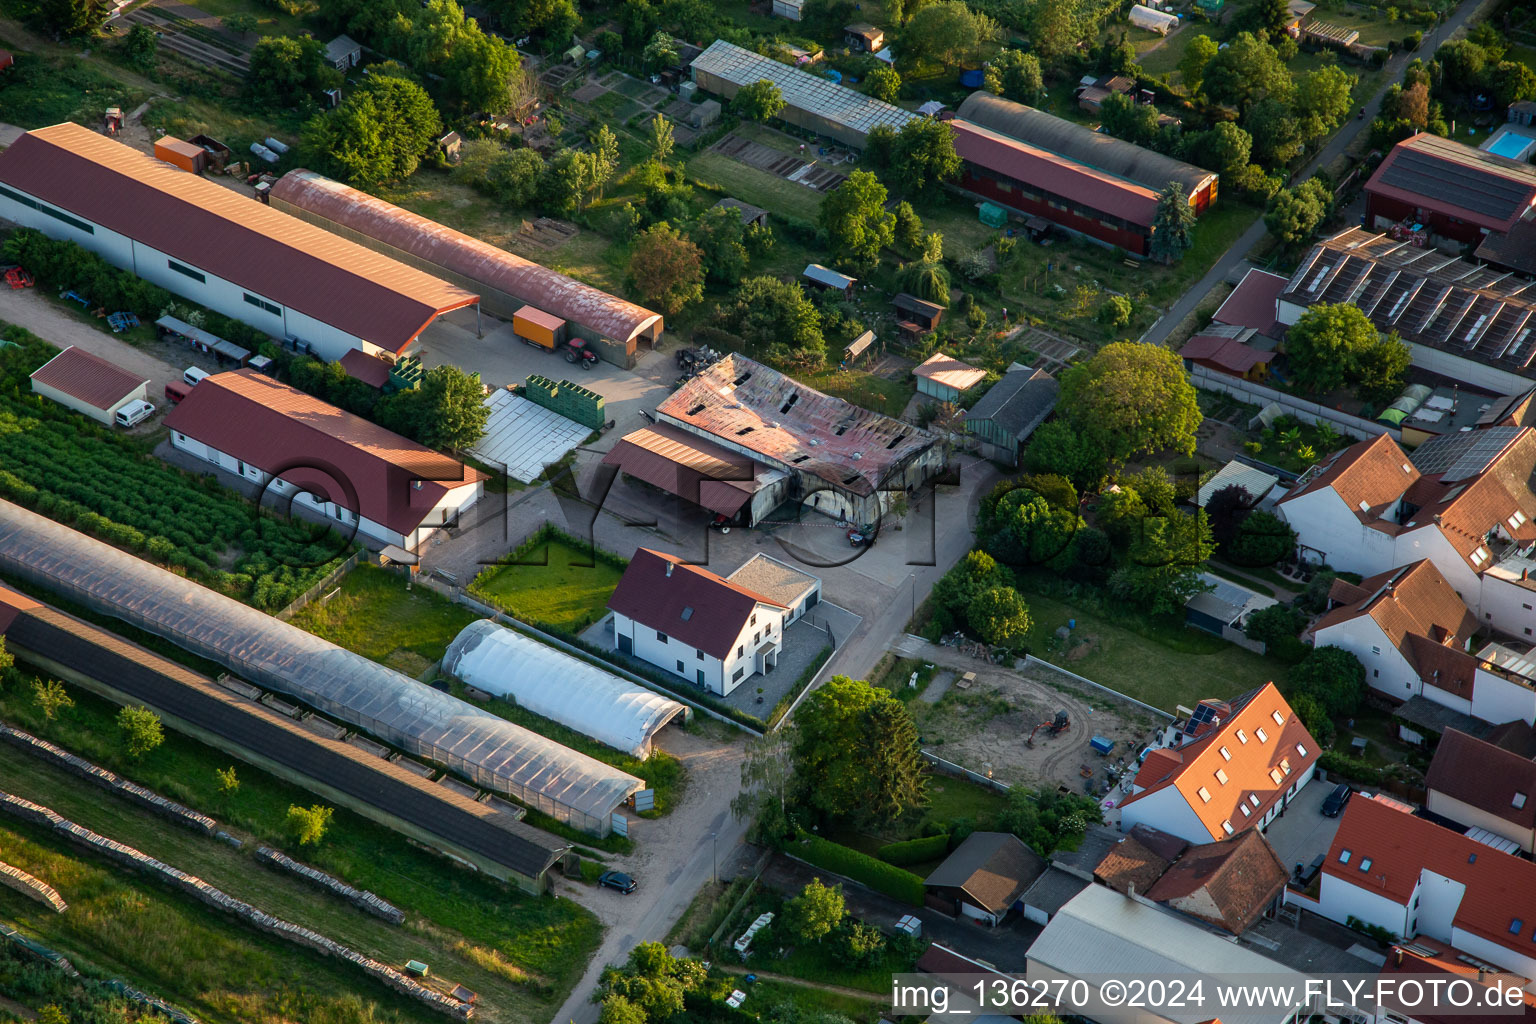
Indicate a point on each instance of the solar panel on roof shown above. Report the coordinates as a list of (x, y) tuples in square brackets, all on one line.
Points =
[(1478, 190)]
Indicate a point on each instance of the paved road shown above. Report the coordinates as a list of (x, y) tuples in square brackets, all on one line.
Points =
[(1341, 140)]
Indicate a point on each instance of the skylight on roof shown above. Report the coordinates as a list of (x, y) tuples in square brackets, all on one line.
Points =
[(1518, 802), (1278, 717), (1480, 555), (1262, 735), (1242, 737), (1253, 798), (1343, 856), (1275, 776), (687, 614), (1204, 794), (1221, 776), (1515, 925), (1301, 750), (1226, 755), (1365, 865), (1244, 809), (1226, 827)]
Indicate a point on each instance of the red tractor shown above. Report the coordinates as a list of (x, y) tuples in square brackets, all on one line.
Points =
[(576, 351)]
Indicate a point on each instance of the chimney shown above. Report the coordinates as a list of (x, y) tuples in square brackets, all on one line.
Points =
[(1398, 950), (669, 570)]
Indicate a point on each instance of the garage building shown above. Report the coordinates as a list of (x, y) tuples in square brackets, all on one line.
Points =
[(718, 479), (216, 247), (504, 663), (505, 281), (484, 748), (88, 384), (984, 877)]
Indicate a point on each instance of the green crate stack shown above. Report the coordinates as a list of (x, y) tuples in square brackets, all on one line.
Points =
[(568, 399), (405, 374)]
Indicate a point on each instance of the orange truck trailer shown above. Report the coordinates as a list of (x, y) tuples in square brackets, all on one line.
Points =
[(538, 328)]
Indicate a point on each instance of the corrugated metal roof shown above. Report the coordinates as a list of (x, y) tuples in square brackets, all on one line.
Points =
[(485, 748), (810, 93), (1453, 178), (828, 277), (216, 229), (1082, 145), (951, 372), (88, 377), (593, 308)]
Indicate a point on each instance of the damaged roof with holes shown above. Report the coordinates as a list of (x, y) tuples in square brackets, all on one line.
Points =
[(757, 410)]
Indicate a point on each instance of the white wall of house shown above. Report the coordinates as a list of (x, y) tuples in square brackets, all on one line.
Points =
[(1167, 811), (1507, 605), (1498, 699), (1464, 813), (1339, 900), (214, 292), (1513, 960), (1324, 523), (1438, 898), (454, 501), (1386, 669), (720, 676)]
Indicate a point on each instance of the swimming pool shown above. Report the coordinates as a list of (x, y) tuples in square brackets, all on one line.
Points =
[(1512, 145)]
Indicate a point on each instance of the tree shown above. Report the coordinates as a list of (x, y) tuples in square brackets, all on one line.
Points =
[(1248, 70), (229, 782), (568, 179), (241, 23), (1224, 149), (1324, 344), (662, 139), (378, 134), (1312, 715), (1192, 65), (1276, 132), (856, 753), (1054, 29), (1023, 529), (1321, 101), (952, 594), (653, 981), (482, 71), (883, 83), (7, 661), (1173, 225), (1272, 16), (909, 228), (288, 71), (617, 1009), (307, 825), (72, 18), (1334, 678), (1509, 81), (445, 411), (1015, 75), (666, 268), (141, 729), (767, 772), (947, 32), (1115, 311), (510, 175), (1411, 103), (999, 616), (923, 155), (1294, 215), (605, 156), (52, 1013), (1263, 540), (776, 317), (51, 697), (856, 221), (1461, 63), (926, 279), (1126, 119), (1274, 625), (721, 239), (813, 914), (1157, 589), (660, 52), (759, 101), (1381, 369), (141, 47), (1226, 509), (1131, 399), (1058, 447)]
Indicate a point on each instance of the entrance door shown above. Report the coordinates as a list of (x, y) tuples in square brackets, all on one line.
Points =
[(626, 645), (701, 677)]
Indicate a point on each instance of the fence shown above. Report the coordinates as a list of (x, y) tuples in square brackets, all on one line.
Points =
[(1030, 661), (320, 588), (950, 768), (1307, 412)]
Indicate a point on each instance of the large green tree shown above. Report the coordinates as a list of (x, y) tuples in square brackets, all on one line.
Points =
[(1294, 214), (1323, 345), (653, 981), (952, 594), (1131, 399), (288, 71), (378, 134), (71, 18), (1192, 65), (856, 754), (721, 238), (883, 83), (666, 268), (1055, 26), (1173, 225), (1276, 131), (758, 101), (770, 315), (945, 32), (1024, 529), (1322, 100), (923, 156), (1225, 149), (1381, 369), (1126, 119), (855, 219), (1015, 75), (446, 410), (1335, 679), (999, 616), (817, 910), (1245, 72)]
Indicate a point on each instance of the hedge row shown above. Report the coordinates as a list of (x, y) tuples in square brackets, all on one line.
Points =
[(915, 851), (878, 875), (1335, 763)]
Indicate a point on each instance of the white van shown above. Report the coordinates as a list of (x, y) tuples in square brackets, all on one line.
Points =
[(134, 413), (192, 375)]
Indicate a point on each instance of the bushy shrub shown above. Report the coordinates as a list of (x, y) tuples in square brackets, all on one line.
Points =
[(915, 851)]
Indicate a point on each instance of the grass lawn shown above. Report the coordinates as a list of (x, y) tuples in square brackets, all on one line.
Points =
[(375, 616), (734, 178), (557, 584), (269, 20), (41, 90), (1159, 661), (456, 917), (765, 995), (950, 798), (226, 121)]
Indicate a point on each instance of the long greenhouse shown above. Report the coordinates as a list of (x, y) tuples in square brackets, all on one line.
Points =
[(504, 663), (489, 751)]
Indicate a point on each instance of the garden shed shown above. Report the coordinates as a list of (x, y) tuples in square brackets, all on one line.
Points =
[(88, 384), (504, 663), (1144, 17)]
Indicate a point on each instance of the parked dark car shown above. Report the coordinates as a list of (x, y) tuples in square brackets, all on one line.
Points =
[(1334, 805), (617, 880)]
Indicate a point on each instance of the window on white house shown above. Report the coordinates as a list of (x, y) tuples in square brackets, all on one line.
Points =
[(680, 667), (1375, 649), (187, 271), (741, 651), (736, 676), (661, 637), (698, 654)]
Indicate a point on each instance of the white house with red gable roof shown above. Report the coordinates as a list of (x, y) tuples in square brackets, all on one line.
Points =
[(1235, 765), (1412, 633), (1463, 501), (694, 624), (1389, 868)]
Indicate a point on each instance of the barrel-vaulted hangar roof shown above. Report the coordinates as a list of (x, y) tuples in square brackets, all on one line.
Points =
[(458, 253), (488, 750), (504, 663)]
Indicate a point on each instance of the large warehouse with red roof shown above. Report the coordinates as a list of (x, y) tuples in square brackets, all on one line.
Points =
[(216, 247)]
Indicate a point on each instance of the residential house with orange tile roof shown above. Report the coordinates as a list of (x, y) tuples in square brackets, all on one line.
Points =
[(1487, 784), (1462, 500), (1412, 632), (1390, 868), (1235, 765), (1425, 959)]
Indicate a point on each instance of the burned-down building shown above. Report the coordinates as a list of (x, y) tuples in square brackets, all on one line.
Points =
[(839, 459)]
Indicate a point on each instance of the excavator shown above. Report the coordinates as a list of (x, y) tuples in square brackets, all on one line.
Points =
[(1060, 724)]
